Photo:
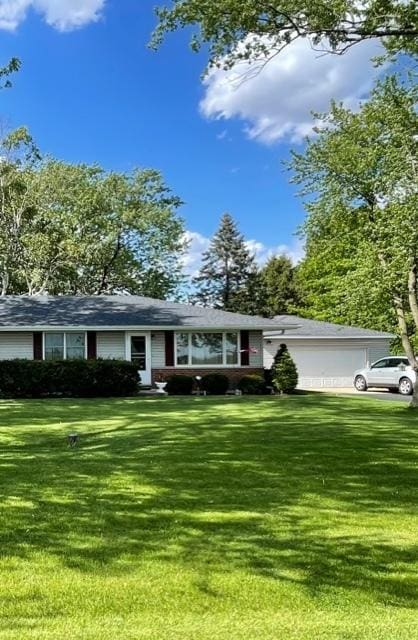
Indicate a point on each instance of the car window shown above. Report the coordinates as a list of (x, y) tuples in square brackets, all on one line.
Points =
[(394, 362), (382, 364)]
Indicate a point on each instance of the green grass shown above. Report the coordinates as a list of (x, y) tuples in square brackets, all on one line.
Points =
[(209, 519)]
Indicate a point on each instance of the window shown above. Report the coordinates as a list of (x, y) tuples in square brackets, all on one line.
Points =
[(54, 346), (75, 346), (138, 352), (382, 364), (231, 344), (207, 349), (65, 346), (182, 345)]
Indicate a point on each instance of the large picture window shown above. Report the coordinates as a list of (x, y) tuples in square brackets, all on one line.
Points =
[(64, 346), (207, 349)]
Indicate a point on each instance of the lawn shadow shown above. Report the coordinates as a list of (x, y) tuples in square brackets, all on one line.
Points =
[(270, 486)]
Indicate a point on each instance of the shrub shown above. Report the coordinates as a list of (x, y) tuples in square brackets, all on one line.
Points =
[(69, 378), (268, 377), (252, 384), (215, 383), (285, 374), (179, 385)]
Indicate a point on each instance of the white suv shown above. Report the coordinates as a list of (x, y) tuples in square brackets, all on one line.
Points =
[(393, 372)]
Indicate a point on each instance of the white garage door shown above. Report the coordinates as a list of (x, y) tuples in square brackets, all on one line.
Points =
[(327, 366)]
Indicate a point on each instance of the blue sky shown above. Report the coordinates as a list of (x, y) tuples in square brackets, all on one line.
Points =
[(91, 91)]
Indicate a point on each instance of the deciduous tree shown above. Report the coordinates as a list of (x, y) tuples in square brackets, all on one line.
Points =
[(237, 30), (361, 174), (75, 229), (277, 291)]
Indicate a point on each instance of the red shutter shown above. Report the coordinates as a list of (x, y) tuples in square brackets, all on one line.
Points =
[(91, 345), (169, 348), (37, 345), (245, 346)]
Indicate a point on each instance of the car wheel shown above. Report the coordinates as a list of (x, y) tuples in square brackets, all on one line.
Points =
[(360, 383), (405, 386)]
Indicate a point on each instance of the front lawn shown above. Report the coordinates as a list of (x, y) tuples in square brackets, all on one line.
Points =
[(209, 519)]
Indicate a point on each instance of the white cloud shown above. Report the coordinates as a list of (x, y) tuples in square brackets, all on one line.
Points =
[(63, 15), (199, 243), (262, 252), (276, 102)]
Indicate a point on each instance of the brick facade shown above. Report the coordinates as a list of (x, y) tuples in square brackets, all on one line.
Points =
[(233, 373)]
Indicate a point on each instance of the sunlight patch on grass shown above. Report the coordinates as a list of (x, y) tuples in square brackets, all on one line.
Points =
[(208, 519)]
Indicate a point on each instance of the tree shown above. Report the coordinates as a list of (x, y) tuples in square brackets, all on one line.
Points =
[(237, 30), (11, 67), (75, 229), (284, 371), (18, 157), (277, 292), (361, 175), (330, 284), (228, 273)]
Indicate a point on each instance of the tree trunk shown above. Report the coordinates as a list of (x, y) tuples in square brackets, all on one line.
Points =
[(412, 293), (406, 343)]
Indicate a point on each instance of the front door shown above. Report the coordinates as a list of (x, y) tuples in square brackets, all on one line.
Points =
[(138, 351)]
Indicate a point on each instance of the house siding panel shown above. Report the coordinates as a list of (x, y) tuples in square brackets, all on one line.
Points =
[(111, 345), (16, 345), (158, 349)]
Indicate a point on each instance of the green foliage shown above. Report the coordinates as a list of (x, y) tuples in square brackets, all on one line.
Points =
[(75, 229), (215, 383), (244, 30), (11, 67), (277, 290), (228, 274), (68, 378), (360, 173), (179, 385), (252, 384), (284, 372)]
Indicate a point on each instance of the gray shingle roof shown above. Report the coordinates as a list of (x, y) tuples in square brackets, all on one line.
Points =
[(119, 311), (318, 329)]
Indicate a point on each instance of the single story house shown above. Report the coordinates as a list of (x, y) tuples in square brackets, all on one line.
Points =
[(161, 337), (326, 354)]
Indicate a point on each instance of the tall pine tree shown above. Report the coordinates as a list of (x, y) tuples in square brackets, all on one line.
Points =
[(228, 271)]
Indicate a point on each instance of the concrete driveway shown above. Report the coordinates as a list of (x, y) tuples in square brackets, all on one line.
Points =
[(380, 394)]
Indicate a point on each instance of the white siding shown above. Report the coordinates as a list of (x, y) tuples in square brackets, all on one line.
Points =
[(326, 363), (256, 341), (16, 345), (111, 344), (158, 349)]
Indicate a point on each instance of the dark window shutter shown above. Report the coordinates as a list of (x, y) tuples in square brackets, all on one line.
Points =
[(245, 346), (169, 348), (37, 345), (91, 345)]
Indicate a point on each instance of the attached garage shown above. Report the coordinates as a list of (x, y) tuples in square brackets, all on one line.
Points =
[(327, 354)]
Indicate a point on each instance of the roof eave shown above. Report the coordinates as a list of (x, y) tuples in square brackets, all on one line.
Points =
[(390, 336), (168, 327)]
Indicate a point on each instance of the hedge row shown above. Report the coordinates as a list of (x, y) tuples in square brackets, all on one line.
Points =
[(214, 384), (67, 378)]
